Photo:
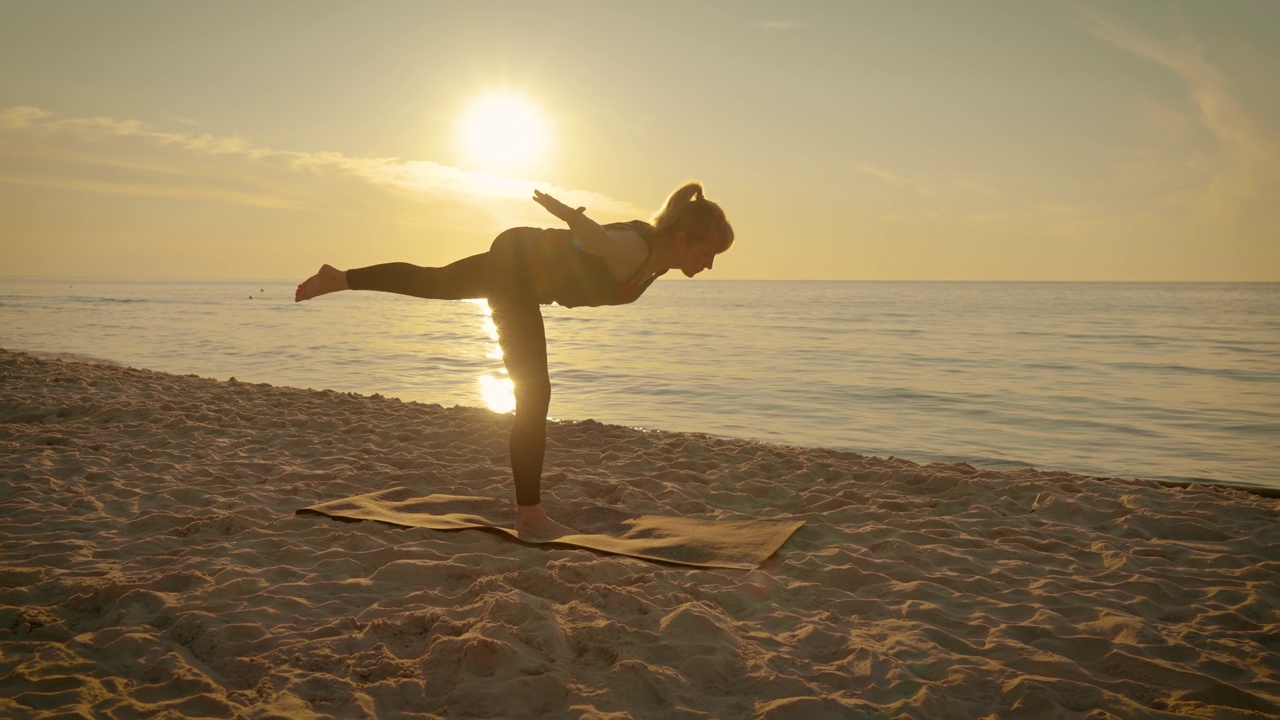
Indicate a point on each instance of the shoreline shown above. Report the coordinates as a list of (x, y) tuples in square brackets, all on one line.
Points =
[(151, 562), (1254, 488)]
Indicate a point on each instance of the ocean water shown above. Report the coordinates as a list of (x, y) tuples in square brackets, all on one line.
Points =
[(1170, 381)]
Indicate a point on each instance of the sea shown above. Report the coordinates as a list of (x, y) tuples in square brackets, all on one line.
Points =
[(1168, 381)]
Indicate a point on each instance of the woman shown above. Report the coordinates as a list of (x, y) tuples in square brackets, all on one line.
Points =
[(588, 264)]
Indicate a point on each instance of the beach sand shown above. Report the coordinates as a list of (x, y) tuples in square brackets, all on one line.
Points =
[(152, 565)]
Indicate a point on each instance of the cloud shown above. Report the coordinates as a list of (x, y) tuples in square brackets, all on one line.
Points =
[(21, 117), (900, 181), (128, 157), (985, 218), (1053, 209), (1243, 172), (1220, 113), (777, 25)]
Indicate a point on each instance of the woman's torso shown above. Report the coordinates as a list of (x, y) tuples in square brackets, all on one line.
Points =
[(564, 273)]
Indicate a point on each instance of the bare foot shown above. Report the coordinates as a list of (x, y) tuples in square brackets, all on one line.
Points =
[(326, 280), (534, 525)]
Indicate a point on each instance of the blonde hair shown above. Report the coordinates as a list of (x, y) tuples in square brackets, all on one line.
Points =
[(701, 220)]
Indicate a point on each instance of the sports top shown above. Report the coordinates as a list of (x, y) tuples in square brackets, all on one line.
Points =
[(564, 273)]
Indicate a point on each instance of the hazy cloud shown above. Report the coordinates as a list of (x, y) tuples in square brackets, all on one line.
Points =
[(128, 157), (1219, 111), (1053, 209), (985, 218), (1244, 171), (895, 180), (777, 25)]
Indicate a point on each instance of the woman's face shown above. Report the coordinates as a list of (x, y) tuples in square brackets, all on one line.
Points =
[(694, 256)]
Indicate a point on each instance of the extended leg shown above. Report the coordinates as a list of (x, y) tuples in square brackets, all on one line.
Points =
[(462, 280), (472, 277), (326, 280), (465, 279)]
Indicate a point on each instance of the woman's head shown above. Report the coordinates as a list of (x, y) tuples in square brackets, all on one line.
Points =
[(696, 227)]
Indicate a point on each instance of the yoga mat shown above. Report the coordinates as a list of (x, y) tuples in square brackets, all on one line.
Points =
[(735, 544)]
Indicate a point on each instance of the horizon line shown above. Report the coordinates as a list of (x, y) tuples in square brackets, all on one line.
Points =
[(162, 279)]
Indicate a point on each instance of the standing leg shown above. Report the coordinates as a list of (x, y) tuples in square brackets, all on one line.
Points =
[(524, 351), (523, 339)]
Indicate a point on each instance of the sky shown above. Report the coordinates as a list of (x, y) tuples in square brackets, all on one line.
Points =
[(848, 140)]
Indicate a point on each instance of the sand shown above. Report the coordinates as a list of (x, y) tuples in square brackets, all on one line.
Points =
[(152, 565)]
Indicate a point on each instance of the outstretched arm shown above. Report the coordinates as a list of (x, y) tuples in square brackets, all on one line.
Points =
[(589, 233)]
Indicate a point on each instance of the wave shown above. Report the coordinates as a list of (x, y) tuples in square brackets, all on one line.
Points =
[(74, 357)]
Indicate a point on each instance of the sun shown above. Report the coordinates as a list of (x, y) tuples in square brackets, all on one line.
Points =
[(503, 132)]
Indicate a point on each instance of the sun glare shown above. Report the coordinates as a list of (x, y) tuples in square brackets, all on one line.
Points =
[(503, 132), (498, 392)]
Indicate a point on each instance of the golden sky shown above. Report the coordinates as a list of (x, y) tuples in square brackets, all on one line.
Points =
[(911, 140)]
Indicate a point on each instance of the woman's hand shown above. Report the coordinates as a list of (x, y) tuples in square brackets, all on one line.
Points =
[(555, 207), (590, 236)]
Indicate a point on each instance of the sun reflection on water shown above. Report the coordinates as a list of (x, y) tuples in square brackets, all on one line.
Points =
[(497, 390), (499, 393)]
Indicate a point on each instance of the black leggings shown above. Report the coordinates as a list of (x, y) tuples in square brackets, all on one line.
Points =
[(500, 277)]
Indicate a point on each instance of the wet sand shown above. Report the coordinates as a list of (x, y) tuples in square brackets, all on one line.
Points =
[(151, 563)]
